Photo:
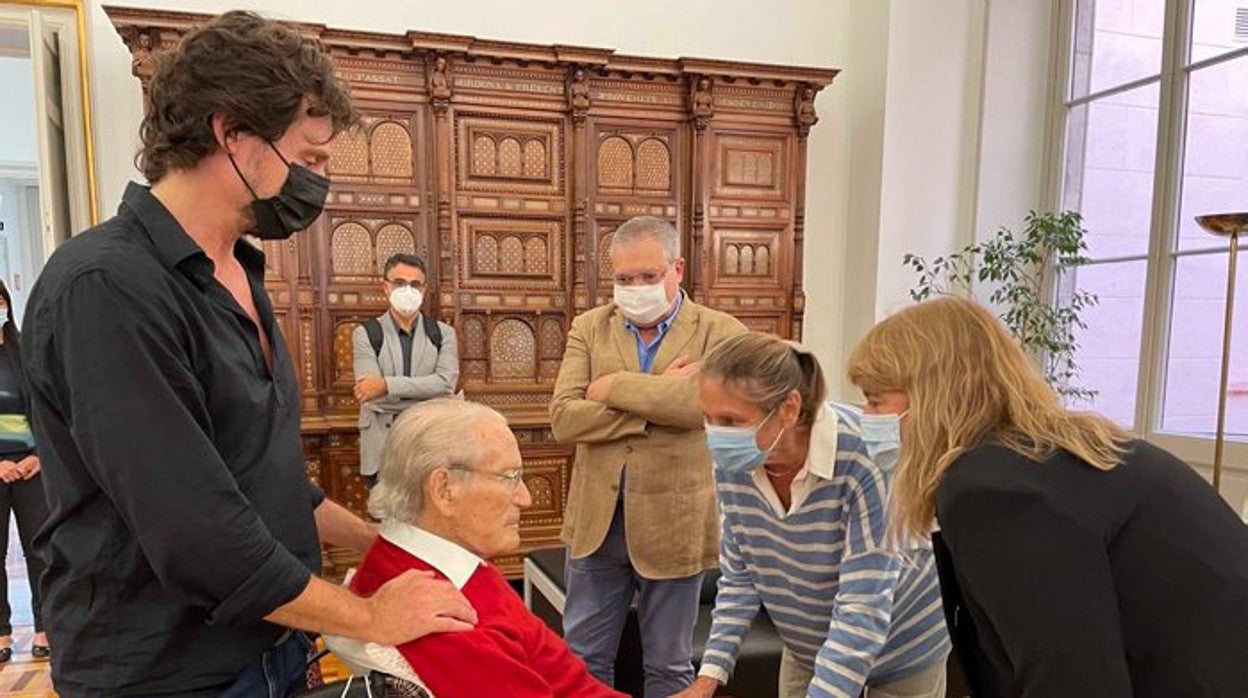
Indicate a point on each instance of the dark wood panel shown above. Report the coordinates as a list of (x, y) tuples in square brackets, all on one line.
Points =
[(507, 166)]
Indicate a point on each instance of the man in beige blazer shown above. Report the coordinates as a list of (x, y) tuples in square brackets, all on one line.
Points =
[(641, 513)]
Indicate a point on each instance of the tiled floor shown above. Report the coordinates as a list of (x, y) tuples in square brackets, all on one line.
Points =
[(22, 676)]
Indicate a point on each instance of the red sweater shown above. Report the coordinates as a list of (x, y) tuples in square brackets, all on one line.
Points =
[(510, 653)]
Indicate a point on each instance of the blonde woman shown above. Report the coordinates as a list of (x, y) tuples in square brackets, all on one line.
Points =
[(802, 507), (1081, 562)]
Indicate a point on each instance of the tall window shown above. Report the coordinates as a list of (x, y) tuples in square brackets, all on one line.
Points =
[(1155, 132)]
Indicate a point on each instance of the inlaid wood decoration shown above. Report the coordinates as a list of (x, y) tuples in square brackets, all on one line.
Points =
[(507, 166)]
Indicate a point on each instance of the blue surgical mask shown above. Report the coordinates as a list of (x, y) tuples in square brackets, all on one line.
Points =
[(881, 435), (735, 449)]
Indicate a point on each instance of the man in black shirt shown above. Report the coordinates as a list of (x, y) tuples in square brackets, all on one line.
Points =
[(183, 533)]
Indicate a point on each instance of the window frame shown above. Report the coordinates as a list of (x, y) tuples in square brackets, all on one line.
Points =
[(1162, 252)]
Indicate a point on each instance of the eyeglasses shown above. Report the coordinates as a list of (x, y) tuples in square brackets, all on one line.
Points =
[(511, 478), (646, 278), (404, 283)]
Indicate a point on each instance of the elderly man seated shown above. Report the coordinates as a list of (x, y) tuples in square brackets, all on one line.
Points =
[(449, 495)]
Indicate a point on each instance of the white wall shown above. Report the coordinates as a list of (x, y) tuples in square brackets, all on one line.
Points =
[(931, 125), (17, 118), (852, 310), (1017, 81), (897, 163), (946, 130)]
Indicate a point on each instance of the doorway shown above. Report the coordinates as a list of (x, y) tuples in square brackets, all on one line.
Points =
[(45, 176)]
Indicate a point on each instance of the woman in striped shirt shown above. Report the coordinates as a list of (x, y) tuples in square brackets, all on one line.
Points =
[(803, 506)]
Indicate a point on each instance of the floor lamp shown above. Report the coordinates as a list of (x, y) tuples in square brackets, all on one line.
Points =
[(1226, 225)]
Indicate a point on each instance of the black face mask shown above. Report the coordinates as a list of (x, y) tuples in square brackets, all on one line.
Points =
[(295, 207)]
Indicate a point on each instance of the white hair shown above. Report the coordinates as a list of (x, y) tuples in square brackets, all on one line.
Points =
[(435, 434), (647, 228)]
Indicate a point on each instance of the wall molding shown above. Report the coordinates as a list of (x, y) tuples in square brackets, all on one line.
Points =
[(16, 169)]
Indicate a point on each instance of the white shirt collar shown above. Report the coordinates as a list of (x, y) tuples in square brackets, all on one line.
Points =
[(820, 464), (451, 559), (824, 434)]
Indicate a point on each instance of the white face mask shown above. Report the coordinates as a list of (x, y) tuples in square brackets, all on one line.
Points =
[(406, 300), (642, 304), (881, 434)]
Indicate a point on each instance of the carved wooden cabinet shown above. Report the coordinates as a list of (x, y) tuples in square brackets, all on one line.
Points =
[(507, 166)]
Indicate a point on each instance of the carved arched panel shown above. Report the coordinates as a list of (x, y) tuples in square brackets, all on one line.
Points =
[(752, 167), (513, 355), (472, 351), (509, 158), (749, 168), (392, 239), (484, 156), (474, 369), (762, 261), (540, 491), (511, 255), (486, 258), (748, 258), (552, 338), (348, 154), (344, 353), (615, 164), (605, 269), (473, 331), (654, 165), (536, 260), (351, 250), (534, 158), (766, 172), (391, 148)]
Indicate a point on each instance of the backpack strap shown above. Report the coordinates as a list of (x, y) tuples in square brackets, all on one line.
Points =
[(373, 327), (375, 337), (433, 331)]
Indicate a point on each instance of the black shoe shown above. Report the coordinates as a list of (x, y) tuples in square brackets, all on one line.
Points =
[(6, 653), (40, 651)]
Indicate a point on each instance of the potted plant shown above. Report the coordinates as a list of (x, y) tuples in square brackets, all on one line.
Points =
[(1022, 271)]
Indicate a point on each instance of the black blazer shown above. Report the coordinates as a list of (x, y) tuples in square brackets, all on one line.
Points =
[(1064, 581)]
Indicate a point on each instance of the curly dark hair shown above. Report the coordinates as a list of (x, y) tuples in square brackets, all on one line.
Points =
[(254, 71)]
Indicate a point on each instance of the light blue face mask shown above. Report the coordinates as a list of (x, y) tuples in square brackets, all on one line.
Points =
[(735, 449), (881, 435)]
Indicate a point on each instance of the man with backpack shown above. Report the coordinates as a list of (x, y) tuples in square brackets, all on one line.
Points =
[(402, 358)]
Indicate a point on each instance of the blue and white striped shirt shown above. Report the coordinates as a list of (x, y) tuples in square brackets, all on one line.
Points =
[(841, 601)]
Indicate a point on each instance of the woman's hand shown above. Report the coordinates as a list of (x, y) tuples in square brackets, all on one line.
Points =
[(29, 467), (10, 471)]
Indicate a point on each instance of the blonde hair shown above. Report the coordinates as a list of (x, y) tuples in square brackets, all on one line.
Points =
[(763, 369), (968, 381)]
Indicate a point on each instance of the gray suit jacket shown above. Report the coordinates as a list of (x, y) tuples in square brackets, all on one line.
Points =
[(434, 374)]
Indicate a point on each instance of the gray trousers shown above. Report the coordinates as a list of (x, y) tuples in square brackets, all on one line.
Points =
[(601, 587), (930, 683)]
